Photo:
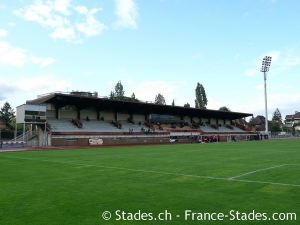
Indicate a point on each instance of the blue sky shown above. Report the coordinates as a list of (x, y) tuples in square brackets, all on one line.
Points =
[(153, 46)]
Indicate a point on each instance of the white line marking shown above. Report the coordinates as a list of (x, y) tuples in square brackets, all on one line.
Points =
[(255, 171), (164, 173), (265, 182)]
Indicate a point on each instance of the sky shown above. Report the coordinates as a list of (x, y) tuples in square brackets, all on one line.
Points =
[(153, 46)]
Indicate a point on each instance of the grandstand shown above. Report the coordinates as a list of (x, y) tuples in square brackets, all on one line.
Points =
[(83, 118)]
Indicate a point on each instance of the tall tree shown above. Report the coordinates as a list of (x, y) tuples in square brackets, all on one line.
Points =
[(187, 105), (160, 100), (201, 99), (225, 109), (277, 115), (7, 112), (173, 103), (119, 92)]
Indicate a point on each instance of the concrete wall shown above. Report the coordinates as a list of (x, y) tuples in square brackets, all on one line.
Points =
[(65, 114), (90, 112), (122, 116), (213, 121), (50, 114), (108, 140), (107, 116)]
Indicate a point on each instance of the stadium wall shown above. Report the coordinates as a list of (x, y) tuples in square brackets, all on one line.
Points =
[(77, 141)]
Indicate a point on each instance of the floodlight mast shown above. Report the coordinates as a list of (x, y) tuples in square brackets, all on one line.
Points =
[(266, 63)]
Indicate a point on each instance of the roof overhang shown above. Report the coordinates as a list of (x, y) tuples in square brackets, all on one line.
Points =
[(60, 100)]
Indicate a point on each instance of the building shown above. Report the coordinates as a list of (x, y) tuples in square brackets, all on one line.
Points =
[(83, 118), (293, 121)]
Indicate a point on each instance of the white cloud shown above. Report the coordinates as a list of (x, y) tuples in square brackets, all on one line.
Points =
[(259, 87), (251, 72), (23, 89), (42, 61), (3, 33), (41, 84), (67, 33), (147, 91), (62, 6), (213, 104), (281, 63), (90, 27), (258, 62), (35, 59), (127, 13), (17, 57), (55, 15), (47, 61), (275, 55), (10, 55), (81, 9)]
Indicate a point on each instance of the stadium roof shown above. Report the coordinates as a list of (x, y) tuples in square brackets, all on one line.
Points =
[(90, 100)]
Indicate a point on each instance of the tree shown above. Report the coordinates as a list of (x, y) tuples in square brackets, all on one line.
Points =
[(19, 126), (133, 98), (225, 109), (173, 103), (112, 95), (187, 105), (275, 127), (160, 100), (119, 92), (6, 112), (201, 99), (277, 115)]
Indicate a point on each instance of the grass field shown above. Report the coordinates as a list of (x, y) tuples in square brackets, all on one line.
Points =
[(76, 186)]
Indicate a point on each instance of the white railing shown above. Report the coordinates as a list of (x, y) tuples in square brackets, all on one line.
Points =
[(25, 137)]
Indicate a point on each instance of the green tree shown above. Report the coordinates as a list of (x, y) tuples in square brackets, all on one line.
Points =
[(201, 99), (133, 98), (173, 103), (112, 95), (7, 112), (19, 126), (275, 127), (160, 100), (119, 92), (277, 115), (225, 109), (187, 105)]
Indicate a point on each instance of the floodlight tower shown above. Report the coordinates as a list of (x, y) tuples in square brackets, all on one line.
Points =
[(266, 63)]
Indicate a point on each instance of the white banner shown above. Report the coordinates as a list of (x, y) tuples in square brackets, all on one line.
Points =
[(95, 141)]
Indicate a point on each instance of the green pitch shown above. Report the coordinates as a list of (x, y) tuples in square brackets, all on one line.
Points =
[(181, 181)]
